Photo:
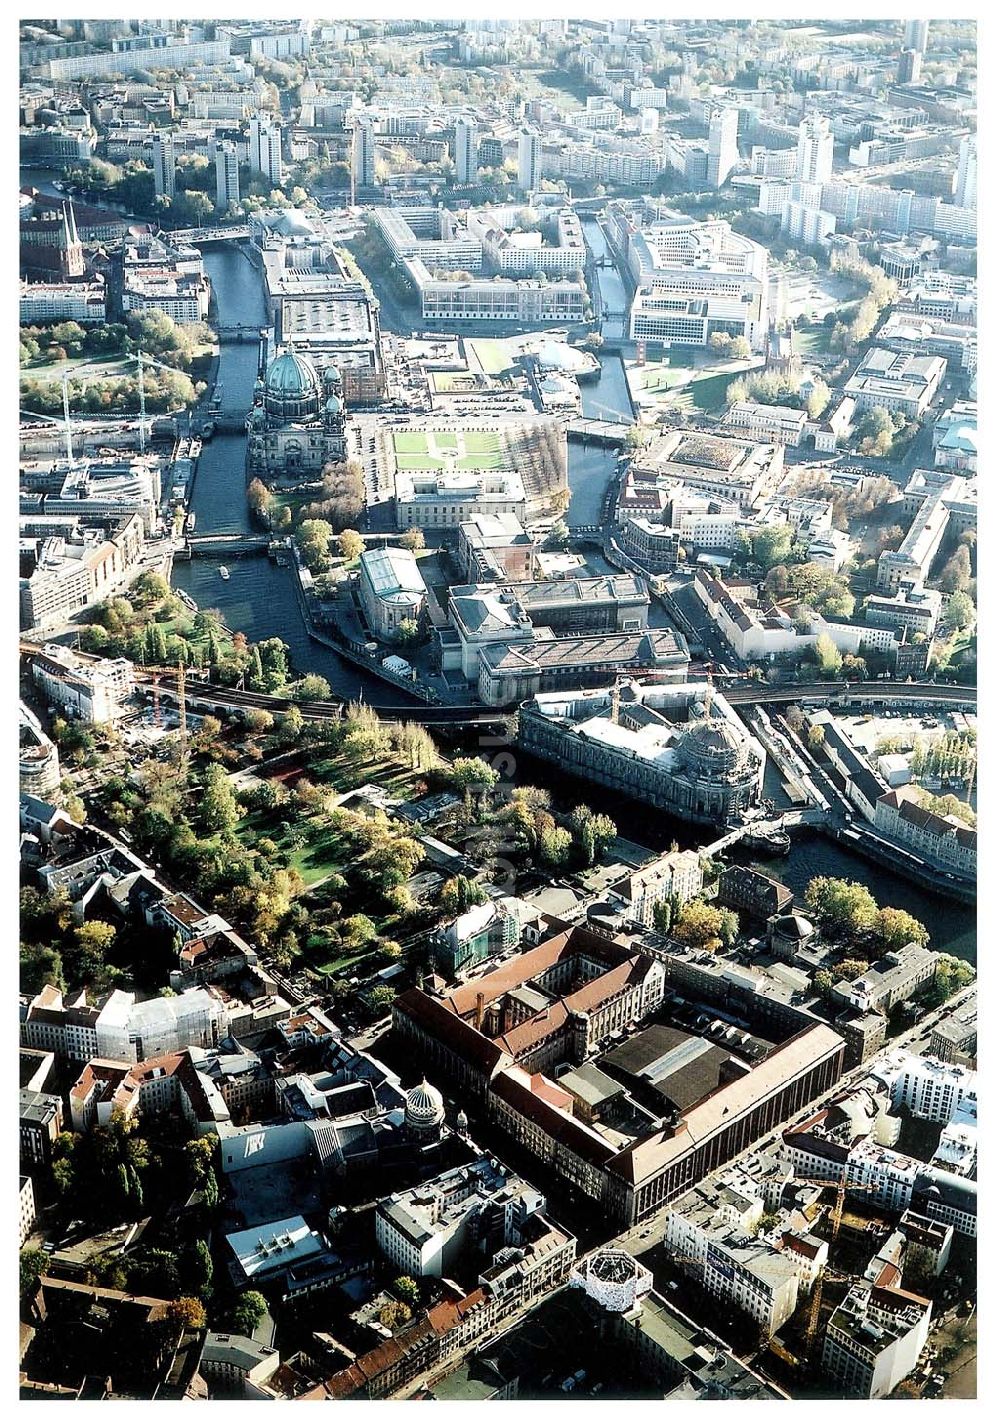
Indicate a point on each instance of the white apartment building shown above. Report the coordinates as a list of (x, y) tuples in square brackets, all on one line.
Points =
[(132, 60), (694, 279), (45, 304), (184, 297), (466, 151), (122, 1028), (899, 382), (882, 1177), (497, 301), (25, 1210), (440, 500), (265, 148), (874, 1339), (915, 609), (38, 758), (806, 224), (965, 177), (74, 572), (928, 1088), (363, 152), (723, 152), (529, 160), (814, 156), (709, 1230), (674, 877)]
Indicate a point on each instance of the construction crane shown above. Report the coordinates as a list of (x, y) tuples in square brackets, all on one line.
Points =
[(836, 1216)]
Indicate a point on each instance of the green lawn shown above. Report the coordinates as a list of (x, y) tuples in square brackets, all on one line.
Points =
[(709, 394), (409, 443), (492, 354), (660, 379), (108, 365), (812, 342), (319, 857), (447, 441), (418, 463)]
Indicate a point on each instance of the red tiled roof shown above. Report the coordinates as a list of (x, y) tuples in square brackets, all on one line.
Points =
[(467, 1042)]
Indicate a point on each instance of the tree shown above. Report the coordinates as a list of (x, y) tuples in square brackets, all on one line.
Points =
[(850, 970), (876, 431), (378, 1000), (895, 929), (957, 573), (772, 545), (960, 611), (558, 537), (407, 1289), (187, 1312), (844, 908), (473, 775), (291, 726), (554, 846), (394, 1314), (33, 1265), (828, 656), (246, 1313), (951, 975), (700, 923), (412, 540), (663, 912), (313, 538), (350, 544), (822, 981), (196, 1270), (220, 810), (260, 499), (312, 688)]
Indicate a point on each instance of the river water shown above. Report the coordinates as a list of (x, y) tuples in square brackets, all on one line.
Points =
[(951, 925), (259, 598)]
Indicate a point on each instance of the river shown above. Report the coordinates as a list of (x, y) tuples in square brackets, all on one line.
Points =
[(952, 926), (259, 598)]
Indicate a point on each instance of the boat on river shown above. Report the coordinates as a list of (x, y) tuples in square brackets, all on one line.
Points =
[(223, 572)]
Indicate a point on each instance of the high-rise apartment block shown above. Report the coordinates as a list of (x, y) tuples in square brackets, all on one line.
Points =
[(363, 153), (723, 153), (915, 35), (227, 174), (265, 148), (164, 173), (814, 162), (529, 160), (466, 151), (965, 177)]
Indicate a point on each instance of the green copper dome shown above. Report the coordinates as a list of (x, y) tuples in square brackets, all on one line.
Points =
[(292, 375)]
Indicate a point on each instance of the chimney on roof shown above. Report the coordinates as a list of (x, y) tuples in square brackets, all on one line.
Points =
[(616, 701), (480, 1009)]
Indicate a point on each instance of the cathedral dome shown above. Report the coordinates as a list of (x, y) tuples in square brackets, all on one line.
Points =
[(291, 389)]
